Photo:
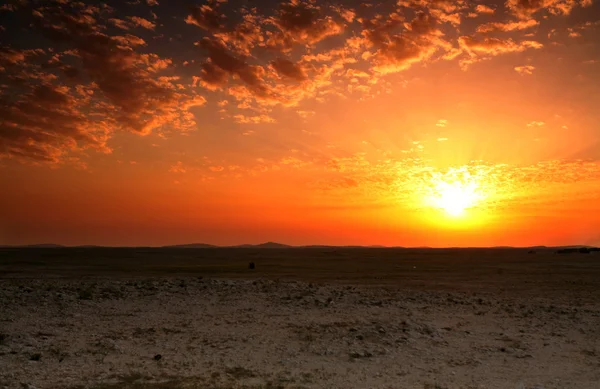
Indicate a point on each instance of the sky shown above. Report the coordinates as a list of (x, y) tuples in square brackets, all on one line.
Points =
[(402, 123)]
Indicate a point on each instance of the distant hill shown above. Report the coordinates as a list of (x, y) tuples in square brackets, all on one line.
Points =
[(275, 245), (191, 246), (33, 246), (44, 246), (266, 245)]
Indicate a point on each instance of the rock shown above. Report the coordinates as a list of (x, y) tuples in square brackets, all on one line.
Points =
[(358, 354)]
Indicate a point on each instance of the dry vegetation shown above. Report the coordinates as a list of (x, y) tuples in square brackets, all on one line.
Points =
[(319, 318)]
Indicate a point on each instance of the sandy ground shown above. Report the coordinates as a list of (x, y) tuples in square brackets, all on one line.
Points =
[(106, 332)]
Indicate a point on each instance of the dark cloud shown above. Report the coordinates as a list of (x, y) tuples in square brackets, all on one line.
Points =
[(484, 9), (124, 70), (287, 68), (122, 24), (508, 26), (302, 22), (124, 77), (478, 48), (206, 17), (495, 46), (223, 59), (243, 119), (141, 22), (379, 29), (246, 35), (10, 57), (45, 123), (121, 88), (526, 8), (212, 76), (447, 11), (418, 41)]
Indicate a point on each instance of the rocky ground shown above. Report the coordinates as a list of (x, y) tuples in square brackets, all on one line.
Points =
[(162, 332)]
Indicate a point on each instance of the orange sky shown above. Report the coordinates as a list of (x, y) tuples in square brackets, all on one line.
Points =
[(409, 123)]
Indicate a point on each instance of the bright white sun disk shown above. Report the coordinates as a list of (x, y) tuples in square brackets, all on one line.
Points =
[(454, 198)]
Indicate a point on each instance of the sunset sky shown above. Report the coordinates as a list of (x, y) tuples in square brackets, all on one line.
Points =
[(408, 123)]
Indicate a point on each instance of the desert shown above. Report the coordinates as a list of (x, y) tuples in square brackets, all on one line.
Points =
[(103, 318)]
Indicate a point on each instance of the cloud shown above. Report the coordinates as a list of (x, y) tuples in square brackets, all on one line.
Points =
[(212, 77), (347, 14), (128, 41), (249, 53), (525, 70), (447, 11), (206, 17), (140, 98), (302, 22), (282, 82), (141, 22), (484, 9), (217, 168), (46, 123), (245, 36), (526, 8), (410, 181), (256, 57), (306, 114), (441, 123), (106, 86), (120, 23), (287, 68), (481, 48), (509, 26), (178, 168), (535, 124), (223, 62), (495, 46), (397, 52), (243, 119), (9, 56)]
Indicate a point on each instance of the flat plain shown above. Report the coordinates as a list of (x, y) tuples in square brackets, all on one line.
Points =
[(107, 318)]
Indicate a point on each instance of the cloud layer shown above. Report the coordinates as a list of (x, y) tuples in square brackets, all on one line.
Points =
[(86, 71)]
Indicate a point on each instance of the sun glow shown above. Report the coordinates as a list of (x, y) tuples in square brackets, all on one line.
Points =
[(454, 198), (454, 194)]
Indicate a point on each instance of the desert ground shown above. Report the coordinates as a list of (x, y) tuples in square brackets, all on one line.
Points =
[(304, 318)]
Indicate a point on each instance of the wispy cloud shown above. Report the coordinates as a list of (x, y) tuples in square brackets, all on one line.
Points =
[(525, 70)]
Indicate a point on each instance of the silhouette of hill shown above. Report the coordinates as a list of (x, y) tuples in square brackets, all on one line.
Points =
[(44, 246), (191, 246), (266, 245), (276, 245)]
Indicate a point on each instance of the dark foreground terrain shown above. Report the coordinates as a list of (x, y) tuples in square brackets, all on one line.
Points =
[(303, 318)]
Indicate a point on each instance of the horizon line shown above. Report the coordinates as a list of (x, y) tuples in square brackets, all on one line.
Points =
[(276, 245)]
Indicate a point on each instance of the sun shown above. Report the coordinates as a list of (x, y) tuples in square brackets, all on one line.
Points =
[(455, 196)]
